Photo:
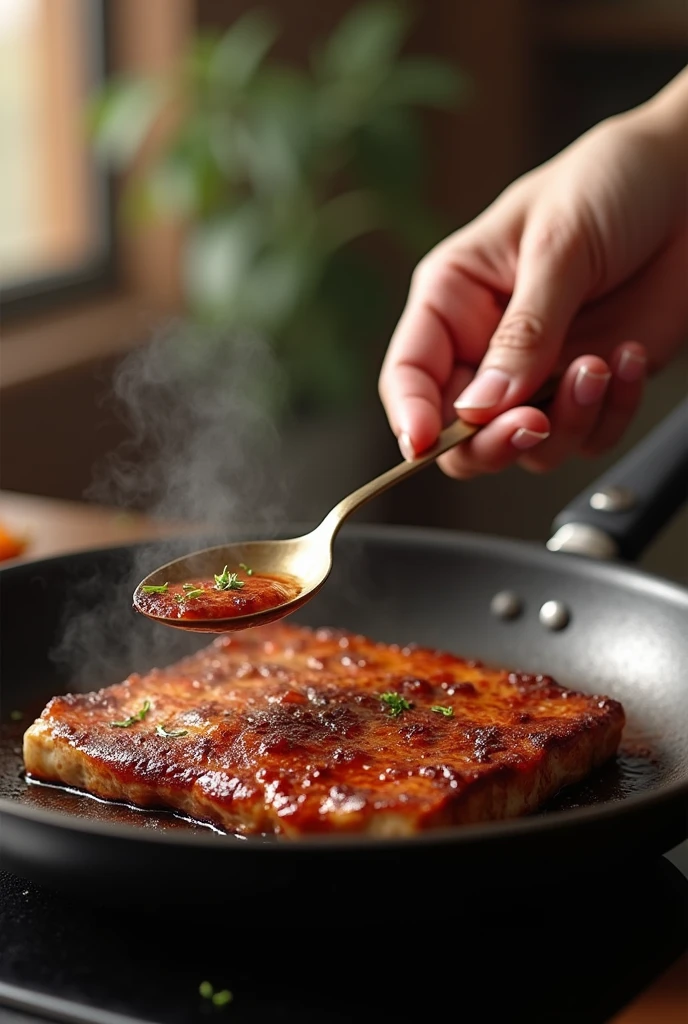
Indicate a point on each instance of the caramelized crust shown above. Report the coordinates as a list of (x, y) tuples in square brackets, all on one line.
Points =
[(285, 731)]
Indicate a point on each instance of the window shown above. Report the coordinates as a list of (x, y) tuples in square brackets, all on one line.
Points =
[(54, 209)]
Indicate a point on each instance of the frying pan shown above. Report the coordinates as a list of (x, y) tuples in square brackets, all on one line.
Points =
[(591, 622)]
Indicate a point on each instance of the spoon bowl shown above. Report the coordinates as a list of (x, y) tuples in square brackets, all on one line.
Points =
[(307, 558)]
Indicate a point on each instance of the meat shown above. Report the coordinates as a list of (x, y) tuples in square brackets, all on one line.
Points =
[(294, 732)]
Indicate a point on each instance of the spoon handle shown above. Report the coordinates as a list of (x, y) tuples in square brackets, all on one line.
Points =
[(450, 436)]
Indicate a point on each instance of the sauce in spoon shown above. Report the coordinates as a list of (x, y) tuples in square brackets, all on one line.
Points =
[(223, 596)]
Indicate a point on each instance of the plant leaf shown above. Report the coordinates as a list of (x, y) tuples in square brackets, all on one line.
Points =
[(347, 216), (196, 63), (281, 280), (218, 261), (121, 115), (365, 41), (168, 191), (389, 150), (423, 81), (240, 51), (278, 129)]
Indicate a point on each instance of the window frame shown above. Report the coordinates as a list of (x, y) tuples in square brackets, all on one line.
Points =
[(98, 272)]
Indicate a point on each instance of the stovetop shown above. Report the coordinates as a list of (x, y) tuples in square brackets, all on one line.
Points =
[(578, 953)]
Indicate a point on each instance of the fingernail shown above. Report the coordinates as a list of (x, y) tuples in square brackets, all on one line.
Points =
[(524, 438), (406, 448), (631, 366), (589, 387), (484, 391)]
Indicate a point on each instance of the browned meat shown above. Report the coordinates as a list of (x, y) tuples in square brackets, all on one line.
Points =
[(280, 729)]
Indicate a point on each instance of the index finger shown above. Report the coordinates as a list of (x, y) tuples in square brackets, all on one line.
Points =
[(452, 310), (415, 370)]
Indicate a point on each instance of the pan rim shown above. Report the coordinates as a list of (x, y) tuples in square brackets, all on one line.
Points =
[(470, 834), (453, 835), (519, 550)]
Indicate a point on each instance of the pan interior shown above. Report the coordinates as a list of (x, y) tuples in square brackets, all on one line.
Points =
[(626, 638)]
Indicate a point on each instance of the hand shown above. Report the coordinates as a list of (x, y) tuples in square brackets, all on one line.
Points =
[(579, 269)]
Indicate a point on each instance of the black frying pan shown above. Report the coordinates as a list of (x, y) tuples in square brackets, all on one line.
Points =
[(626, 636)]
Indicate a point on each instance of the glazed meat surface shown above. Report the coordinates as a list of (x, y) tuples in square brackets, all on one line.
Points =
[(285, 730)]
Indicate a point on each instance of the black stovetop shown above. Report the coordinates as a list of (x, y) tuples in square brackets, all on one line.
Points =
[(575, 953)]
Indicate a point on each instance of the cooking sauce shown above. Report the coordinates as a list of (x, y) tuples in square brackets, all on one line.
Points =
[(223, 596)]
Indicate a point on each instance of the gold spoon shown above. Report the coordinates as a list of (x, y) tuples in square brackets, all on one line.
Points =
[(307, 558)]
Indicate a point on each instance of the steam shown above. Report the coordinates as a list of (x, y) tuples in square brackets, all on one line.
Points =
[(203, 445), (202, 448)]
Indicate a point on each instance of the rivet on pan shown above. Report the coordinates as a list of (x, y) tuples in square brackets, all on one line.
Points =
[(613, 499), (554, 615), (506, 605)]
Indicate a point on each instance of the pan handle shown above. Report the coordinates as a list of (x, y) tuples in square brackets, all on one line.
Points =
[(625, 508)]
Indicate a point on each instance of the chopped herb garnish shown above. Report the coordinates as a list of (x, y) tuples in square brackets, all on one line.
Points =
[(396, 703), (16, 716), (227, 580), (138, 717), (162, 731), (221, 998), (150, 589), (188, 586), (249, 572), (442, 710), (194, 591)]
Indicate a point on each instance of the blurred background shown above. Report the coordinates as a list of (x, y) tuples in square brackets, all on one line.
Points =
[(243, 190)]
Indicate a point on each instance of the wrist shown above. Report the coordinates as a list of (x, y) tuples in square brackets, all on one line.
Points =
[(664, 120)]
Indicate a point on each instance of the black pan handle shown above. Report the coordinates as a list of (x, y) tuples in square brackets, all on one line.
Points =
[(625, 508)]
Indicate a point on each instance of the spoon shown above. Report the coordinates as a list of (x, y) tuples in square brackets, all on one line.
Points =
[(307, 558)]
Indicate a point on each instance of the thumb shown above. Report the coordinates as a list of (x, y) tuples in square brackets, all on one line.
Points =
[(552, 280)]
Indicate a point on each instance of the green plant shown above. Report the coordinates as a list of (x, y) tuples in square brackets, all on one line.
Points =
[(276, 171)]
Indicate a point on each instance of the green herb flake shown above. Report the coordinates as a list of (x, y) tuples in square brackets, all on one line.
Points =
[(150, 589), (162, 731), (440, 709), (138, 717), (249, 572), (227, 580), (16, 716), (222, 998), (206, 990), (190, 590), (396, 703)]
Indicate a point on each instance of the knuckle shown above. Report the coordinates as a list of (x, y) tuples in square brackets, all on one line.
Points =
[(424, 272), (569, 241), (520, 332), (434, 276), (554, 237)]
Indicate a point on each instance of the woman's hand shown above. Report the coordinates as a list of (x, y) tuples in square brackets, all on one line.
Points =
[(578, 269)]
